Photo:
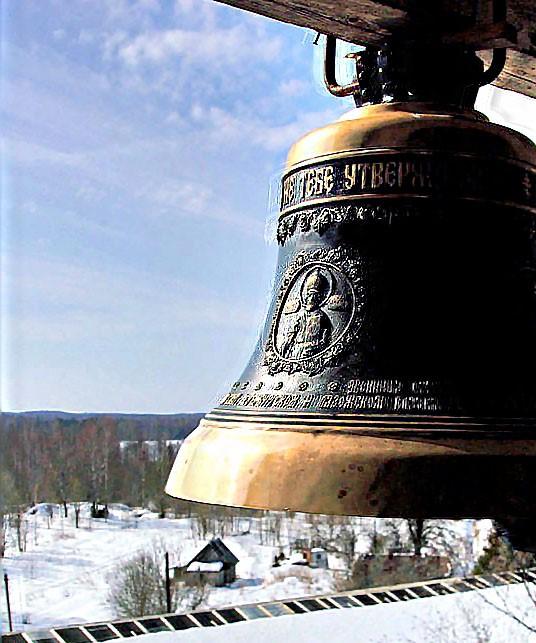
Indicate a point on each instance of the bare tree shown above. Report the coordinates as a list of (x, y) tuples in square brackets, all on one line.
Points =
[(504, 606), (138, 587), (337, 535), (270, 525), (3, 534), (21, 529), (499, 556), (425, 537)]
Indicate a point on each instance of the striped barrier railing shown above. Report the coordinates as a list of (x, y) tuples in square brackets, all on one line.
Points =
[(125, 628)]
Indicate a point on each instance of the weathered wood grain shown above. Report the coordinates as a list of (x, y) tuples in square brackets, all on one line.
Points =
[(374, 21)]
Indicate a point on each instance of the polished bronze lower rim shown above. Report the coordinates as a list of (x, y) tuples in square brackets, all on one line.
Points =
[(366, 474)]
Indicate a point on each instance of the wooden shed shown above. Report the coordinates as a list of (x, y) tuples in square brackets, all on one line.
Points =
[(214, 564)]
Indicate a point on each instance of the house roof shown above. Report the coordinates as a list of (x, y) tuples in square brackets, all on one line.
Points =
[(215, 551)]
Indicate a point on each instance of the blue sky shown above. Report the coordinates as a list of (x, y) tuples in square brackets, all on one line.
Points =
[(141, 137)]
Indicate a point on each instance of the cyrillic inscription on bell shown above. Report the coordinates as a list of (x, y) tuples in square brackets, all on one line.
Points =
[(395, 373)]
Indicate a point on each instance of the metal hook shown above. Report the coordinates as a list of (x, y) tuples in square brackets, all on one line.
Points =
[(495, 67), (498, 60), (330, 79)]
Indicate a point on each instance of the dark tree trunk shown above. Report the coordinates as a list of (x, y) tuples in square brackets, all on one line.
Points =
[(416, 529)]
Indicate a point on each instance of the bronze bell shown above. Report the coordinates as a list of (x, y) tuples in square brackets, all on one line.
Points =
[(395, 375)]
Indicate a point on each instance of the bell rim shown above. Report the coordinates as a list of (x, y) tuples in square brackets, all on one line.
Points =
[(362, 474)]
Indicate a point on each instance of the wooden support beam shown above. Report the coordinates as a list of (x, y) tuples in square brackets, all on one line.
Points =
[(372, 22)]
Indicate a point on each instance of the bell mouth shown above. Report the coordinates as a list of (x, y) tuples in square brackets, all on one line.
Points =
[(460, 471)]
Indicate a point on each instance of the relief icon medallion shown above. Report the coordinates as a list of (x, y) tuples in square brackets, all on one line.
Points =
[(318, 312)]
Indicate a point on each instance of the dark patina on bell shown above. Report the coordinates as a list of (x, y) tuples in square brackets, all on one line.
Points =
[(395, 375)]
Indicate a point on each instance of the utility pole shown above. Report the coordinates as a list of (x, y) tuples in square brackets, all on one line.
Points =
[(8, 603), (168, 585)]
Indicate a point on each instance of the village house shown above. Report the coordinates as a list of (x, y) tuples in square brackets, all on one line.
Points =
[(215, 564), (315, 557), (399, 568)]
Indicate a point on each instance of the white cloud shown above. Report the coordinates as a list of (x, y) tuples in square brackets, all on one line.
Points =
[(220, 47), (131, 12), (83, 151), (202, 50), (174, 118), (202, 14), (186, 197), (139, 171), (186, 6), (111, 42), (292, 87), (228, 127), (197, 112), (86, 37), (27, 154)]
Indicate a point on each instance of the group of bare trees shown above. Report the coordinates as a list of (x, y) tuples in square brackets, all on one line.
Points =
[(419, 548), (210, 521), (68, 462)]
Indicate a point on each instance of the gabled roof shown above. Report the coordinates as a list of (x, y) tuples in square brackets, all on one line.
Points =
[(214, 552)]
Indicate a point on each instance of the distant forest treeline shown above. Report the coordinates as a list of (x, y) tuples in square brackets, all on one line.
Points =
[(57, 457), (128, 426)]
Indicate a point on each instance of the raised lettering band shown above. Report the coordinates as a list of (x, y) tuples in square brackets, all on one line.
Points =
[(415, 174)]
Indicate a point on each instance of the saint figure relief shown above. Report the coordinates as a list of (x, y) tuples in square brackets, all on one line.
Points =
[(311, 331)]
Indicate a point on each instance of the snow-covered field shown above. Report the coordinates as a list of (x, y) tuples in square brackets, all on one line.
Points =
[(64, 574)]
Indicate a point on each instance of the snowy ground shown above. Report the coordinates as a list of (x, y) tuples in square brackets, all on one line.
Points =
[(63, 576)]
